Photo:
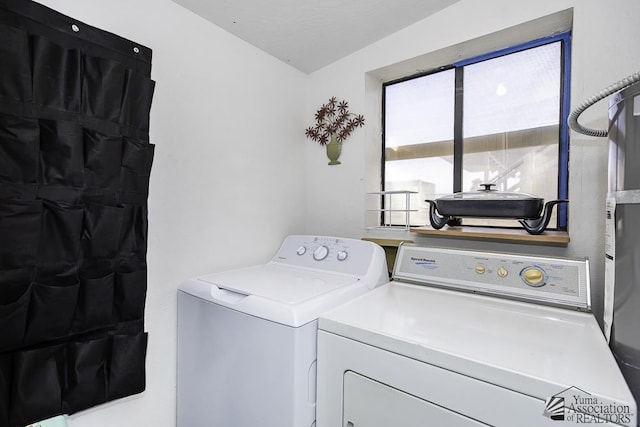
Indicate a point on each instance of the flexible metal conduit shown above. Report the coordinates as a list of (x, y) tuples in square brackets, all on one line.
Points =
[(573, 117)]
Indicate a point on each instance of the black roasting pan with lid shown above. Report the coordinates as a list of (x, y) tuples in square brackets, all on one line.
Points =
[(531, 211)]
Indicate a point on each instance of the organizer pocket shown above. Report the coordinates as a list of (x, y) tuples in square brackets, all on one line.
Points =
[(86, 374), (137, 158), (61, 153), (20, 148), (95, 303), (133, 232), (102, 159), (127, 366), (56, 75), (102, 86), (14, 67), (135, 187), (6, 368), (101, 231), (20, 223), (51, 312), (130, 295), (61, 231), (136, 100), (36, 391), (14, 308)]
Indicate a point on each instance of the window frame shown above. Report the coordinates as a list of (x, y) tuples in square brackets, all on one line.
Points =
[(458, 141)]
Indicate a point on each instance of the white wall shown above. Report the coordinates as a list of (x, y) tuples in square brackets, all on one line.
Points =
[(605, 41), (226, 183)]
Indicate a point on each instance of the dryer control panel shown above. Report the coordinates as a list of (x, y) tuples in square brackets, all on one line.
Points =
[(553, 281)]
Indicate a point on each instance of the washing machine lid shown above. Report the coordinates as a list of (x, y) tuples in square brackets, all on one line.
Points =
[(288, 285), (535, 349), (289, 295)]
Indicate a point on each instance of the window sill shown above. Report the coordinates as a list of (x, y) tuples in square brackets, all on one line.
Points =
[(548, 238)]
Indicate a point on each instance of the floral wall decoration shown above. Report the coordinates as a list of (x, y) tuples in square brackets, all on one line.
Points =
[(334, 123)]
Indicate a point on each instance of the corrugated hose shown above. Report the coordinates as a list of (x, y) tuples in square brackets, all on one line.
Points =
[(573, 117)]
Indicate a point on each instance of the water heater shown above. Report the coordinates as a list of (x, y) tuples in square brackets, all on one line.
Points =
[(622, 293)]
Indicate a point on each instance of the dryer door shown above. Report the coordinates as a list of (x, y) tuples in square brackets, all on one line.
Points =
[(369, 403)]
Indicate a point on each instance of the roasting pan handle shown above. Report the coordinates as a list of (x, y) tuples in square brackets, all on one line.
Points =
[(538, 225)]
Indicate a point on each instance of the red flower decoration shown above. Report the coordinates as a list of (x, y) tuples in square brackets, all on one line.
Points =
[(334, 118)]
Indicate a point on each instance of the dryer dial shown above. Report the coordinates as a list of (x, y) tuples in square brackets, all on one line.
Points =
[(533, 276)]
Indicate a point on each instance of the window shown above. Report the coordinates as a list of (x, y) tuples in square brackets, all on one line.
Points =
[(497, 119)]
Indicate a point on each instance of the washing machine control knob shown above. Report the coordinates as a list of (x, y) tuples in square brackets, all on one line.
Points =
[(342, 255), (533, 276), (320, 253), (301, 250)]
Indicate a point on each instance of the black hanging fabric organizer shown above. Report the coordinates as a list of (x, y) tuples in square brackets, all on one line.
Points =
[(75, 160)]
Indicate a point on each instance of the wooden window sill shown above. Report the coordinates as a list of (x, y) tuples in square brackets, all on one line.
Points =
[(508, 235)]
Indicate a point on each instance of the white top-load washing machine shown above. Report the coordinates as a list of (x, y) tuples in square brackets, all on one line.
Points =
[(467, 338), (247, 337)]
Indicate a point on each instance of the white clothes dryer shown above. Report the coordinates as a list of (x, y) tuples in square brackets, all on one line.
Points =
[(467, 338), (247, 337)]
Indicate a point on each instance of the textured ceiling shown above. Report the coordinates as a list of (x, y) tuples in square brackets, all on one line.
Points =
[(310, 34)]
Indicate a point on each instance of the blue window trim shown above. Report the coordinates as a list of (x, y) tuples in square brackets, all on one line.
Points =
[(563, 149), (517, 48), (563, 187)]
